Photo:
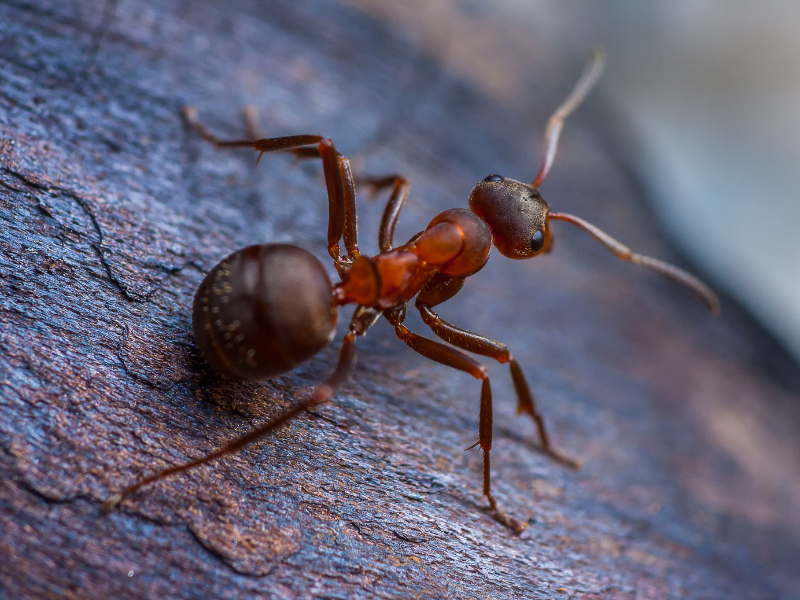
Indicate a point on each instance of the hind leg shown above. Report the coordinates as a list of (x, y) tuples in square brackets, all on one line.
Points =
[(323, 392)]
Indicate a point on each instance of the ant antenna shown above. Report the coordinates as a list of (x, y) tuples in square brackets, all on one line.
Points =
[(590, 76), (621, 251)]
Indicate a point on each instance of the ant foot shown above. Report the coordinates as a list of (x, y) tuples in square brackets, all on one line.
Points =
[(189, 114), (508, 521), (111, 502), (573, 463), (498, 515)]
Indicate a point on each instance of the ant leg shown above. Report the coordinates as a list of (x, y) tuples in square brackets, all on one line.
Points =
[(322, 393), (451, 357), (400, 187), (443, 288), (338, 181)]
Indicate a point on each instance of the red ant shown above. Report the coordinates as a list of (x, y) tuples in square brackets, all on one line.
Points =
[(266, 309)]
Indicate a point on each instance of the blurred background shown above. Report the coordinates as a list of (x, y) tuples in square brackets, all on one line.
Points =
[(701, 97)]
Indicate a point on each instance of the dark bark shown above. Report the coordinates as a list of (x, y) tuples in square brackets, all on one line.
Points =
[(111, 213)]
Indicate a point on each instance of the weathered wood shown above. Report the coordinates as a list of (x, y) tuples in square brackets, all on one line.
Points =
[(111, 213)]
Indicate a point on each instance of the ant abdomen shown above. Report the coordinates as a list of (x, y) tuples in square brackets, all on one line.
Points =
[(264, 310)]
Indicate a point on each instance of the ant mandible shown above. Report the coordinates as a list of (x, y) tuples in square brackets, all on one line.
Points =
[(266, 309)]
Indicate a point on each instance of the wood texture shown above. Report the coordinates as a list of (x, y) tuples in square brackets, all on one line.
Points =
[(111, 214)]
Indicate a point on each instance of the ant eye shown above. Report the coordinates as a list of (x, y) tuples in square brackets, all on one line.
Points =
[(494, 178), (537, 241)]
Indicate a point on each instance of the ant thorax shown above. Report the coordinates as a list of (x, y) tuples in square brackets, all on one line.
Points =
[(455, 243)]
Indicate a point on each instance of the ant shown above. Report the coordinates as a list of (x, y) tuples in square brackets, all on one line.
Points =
[(265, 309)]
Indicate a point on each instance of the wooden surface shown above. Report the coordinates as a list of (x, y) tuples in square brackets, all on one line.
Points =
[(111, 213)]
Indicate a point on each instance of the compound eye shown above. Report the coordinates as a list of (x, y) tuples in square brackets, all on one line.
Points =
[(494, 178), (537, 241)]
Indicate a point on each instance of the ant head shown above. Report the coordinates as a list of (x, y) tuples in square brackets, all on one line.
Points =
[(516, 214)]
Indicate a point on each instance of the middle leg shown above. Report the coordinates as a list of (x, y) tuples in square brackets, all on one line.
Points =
[(443, 288)]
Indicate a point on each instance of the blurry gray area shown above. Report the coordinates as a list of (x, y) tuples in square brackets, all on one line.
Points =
[(708, 96), (712, 89)]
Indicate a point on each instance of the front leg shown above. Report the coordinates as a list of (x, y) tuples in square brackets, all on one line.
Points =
[(443, 288), (338, 181)]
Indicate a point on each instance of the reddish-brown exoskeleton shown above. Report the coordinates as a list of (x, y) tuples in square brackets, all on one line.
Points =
[(265, 309)]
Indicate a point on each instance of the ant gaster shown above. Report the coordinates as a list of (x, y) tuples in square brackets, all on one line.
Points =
[(266, 309)]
